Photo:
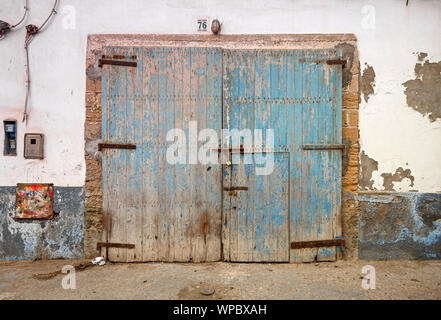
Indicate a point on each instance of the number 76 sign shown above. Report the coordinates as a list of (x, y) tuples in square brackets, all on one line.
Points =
[(202, 24)]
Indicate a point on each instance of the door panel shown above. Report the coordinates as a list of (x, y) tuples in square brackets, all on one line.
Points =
[(297, 95), (259, 215), (171, 212)]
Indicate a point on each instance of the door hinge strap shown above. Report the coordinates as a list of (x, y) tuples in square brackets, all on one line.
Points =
[(123, 63), (235, 188), (323, 146), (317, 243), (102, 146), (114, 245), (337, 61)]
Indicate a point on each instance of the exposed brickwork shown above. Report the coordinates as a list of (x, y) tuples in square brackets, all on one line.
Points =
[(350, 103)]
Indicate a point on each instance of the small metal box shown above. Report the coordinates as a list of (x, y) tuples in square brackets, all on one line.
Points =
[(33, 146)]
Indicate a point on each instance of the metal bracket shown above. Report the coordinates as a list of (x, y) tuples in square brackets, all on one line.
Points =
[(323, 147), (337, 61), (235, 188), (123, 63), (114, 245), (318, 243), (102, 146)]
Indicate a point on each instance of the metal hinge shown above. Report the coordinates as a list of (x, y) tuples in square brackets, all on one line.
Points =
[(323, 147), (337, 61), (317, 243), (102, 146), (114, 245), (235, 188), (123, 63)]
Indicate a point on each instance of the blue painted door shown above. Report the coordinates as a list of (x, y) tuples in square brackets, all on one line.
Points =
[(169, 211), (297, 95)]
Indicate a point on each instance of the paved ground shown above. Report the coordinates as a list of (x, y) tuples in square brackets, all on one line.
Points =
[(339, 280)]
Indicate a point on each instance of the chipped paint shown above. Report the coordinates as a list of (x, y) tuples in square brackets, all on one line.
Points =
[(367, 166), (400, 226), (423, 94), (367, 82), (30, 239), (399, 175)]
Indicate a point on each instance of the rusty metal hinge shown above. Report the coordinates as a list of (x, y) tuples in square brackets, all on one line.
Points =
[(317, 243), (323, 147), (114, 245), (235, 188), (102, 146), (123, 63), (337, 61)]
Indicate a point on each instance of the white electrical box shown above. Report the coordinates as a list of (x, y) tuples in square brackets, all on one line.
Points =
[(33, 146)]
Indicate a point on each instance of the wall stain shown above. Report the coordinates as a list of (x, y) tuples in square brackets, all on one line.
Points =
[(348, 51), (423, 94), (398, 176), (367, 82), (367, 166), (421, 56), (93, 72)]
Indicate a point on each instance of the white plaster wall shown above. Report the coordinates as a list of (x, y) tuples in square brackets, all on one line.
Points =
[(390, 132)]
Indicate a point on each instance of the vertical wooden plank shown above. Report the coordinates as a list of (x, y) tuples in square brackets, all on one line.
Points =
[(134, 158), (336, 90), (295, 92), (227, 67), (150, 146), (213, 178), (163, 183), (118, 134), (180, 183), (186, 211), (325, 227), (309, 171)]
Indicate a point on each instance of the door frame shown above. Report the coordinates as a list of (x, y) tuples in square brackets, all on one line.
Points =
[(95, 217)]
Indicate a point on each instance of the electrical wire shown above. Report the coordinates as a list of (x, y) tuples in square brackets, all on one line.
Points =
[(31, 31), (24, 15), (6, 27)]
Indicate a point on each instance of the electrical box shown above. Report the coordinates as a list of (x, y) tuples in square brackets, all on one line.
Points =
[(33, 146), (10, 146)]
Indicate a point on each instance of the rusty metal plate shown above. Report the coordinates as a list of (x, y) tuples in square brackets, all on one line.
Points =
[(34, 201), (114, 245), (102, 146), (317, 243)]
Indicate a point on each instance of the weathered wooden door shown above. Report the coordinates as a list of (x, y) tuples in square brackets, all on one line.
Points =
[(169, 212), (173, 212), (297, 95)]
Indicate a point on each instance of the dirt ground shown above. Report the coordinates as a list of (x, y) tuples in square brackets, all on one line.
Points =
[(337, 280)]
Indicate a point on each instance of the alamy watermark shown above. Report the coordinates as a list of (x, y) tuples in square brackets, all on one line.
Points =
[(369, 278), (236, 146)]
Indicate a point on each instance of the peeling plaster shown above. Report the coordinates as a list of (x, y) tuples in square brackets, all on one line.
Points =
[(423, 94), (367, 166), (367, 82), (398, 176)]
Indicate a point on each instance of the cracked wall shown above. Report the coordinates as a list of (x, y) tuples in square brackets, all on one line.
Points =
[(423, 94), (400, 226), (60, 237)]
